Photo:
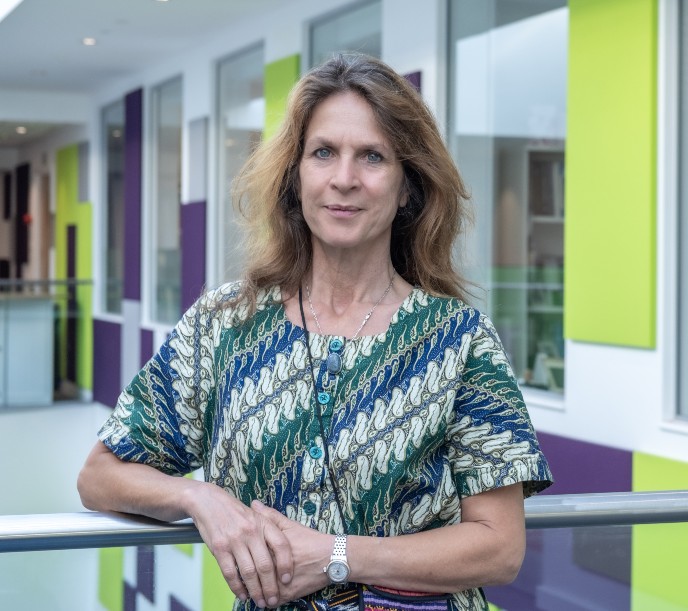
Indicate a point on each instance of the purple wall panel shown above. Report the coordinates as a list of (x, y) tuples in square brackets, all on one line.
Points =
[(107, 348), (580, 466), (571, 568), (415, 79), (193, 251), (177, 605), (145, 571), (133, 134), (147, 347)]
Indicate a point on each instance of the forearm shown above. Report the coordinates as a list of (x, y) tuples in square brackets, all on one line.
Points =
[(447, 559), (107, 483), (486, 548)]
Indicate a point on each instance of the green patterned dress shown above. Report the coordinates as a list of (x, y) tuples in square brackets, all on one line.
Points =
[(418, 417)]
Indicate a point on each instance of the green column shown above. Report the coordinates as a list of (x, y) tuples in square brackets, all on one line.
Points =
[(610, 243), (280, 77)]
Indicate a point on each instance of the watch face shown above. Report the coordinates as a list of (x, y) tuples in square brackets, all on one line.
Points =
[(337, 571)]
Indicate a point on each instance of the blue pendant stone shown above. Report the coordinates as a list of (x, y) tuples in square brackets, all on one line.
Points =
[(336, 345), (334, 363)]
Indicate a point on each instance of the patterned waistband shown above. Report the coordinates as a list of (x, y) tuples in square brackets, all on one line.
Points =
[(342, 600)]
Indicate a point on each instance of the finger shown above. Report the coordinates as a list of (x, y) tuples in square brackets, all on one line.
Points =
[(233, 577), (251, 577), (281, 551), (265, 568)]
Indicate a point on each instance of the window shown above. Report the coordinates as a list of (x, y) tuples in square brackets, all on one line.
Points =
[(241, 117), (355, 29), (508, 64), (166, 198), (113, 142), (683, 218)]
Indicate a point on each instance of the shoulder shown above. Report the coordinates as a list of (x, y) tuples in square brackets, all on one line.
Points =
[(451, 311), (225, 303)]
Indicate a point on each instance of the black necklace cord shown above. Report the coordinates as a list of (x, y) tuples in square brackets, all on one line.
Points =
[(318, 412)]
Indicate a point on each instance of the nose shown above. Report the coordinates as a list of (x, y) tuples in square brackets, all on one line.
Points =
[(345, 174)]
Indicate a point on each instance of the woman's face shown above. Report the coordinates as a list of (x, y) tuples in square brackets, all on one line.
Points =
[(350, 178)]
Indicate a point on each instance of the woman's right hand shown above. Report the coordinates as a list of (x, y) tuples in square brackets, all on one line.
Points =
[(246, 544), (251, 551)]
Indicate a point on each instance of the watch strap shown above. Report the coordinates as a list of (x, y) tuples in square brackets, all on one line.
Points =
[(339, 550)]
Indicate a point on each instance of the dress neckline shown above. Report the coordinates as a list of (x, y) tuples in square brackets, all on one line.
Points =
[(407, 305)]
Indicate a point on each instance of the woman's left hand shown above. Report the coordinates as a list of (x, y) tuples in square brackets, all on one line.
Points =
[(310, 550)]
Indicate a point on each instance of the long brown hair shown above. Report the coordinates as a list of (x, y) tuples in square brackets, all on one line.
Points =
[(278, 240)]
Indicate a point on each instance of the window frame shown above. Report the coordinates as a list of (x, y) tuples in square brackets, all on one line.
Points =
[(102, 298), (151, 216), (331, 16), (546, 398)]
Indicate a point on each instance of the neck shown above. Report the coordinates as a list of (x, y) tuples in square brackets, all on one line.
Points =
[(340, 280)]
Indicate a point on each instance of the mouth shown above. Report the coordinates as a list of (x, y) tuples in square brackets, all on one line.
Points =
[(342, 212), (338, 208)]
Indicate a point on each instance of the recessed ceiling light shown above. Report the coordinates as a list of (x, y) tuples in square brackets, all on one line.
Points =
[(116, 133), (20, 129), (89, 42)]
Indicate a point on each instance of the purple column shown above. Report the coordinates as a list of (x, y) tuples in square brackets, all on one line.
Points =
[(133, 133)]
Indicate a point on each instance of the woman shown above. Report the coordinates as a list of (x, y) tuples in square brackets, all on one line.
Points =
[(357, 422)]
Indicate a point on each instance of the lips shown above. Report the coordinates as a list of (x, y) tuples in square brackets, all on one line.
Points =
[(336, 208)]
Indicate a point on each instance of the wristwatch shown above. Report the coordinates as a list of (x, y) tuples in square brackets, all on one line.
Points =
[(338, 568)]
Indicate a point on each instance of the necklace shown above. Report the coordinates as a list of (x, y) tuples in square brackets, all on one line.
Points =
[(318, 413), (365, 318)]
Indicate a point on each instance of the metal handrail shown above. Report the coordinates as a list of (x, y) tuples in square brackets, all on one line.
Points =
[(25, 533)]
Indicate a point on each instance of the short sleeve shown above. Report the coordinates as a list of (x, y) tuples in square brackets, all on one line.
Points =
[(159, 416), (491, 439)]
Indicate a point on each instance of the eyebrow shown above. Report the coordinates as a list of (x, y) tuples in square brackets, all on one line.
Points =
[(368, 146)]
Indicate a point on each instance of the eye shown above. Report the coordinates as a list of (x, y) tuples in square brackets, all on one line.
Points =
[(373, 157), (322, 153)]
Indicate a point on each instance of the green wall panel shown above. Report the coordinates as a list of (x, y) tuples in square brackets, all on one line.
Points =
[(280, 77), (658, 573), (611, 172), (70, 211), (111, 578)]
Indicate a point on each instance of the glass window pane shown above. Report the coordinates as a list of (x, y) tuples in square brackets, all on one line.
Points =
[(508, 65), (113, 142), (241, 119), (166, 173), (358, 29), (683, 221)]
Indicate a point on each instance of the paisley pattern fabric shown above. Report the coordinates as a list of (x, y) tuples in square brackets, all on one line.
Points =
[(418, 417)]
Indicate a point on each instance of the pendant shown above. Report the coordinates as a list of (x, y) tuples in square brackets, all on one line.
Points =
[(334, 363)]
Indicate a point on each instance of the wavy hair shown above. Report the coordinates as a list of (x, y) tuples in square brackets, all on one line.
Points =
[(278, 240)]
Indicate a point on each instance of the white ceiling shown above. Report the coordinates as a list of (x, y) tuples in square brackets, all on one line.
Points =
[(41, 46)]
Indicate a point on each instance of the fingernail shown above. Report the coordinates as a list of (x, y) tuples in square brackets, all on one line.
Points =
[(261, 603), (242, 597), (272, 601), (286, 578), (258, 502)]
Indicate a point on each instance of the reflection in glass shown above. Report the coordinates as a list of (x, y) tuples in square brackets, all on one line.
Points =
[(241, 119), (508, 134), (113, 139), (683, 219), (358, 29), (166, 173)]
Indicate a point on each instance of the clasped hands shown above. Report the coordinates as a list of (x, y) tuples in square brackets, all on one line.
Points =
[(262, 554)]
